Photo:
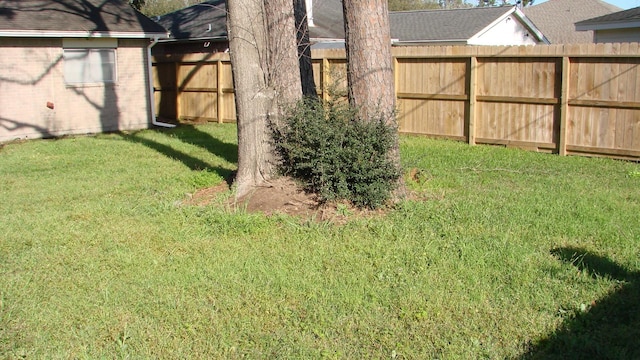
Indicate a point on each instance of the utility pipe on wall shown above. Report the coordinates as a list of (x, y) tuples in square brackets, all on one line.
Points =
[(152, 105)]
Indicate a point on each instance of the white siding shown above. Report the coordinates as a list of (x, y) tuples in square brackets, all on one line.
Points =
[(617, 35), (509, 31)]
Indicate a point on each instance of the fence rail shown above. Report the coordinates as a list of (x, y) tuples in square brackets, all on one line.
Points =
[(568, 99)]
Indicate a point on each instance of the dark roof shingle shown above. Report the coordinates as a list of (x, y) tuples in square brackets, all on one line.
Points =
[(620, 17), (443, 25), (556, 18), (206, 20), (328, 20), (67, 16)]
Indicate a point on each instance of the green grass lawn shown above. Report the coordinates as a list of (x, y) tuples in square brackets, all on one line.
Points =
[(511, 254)]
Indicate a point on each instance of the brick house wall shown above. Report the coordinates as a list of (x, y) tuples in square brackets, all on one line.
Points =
[(35, 102)]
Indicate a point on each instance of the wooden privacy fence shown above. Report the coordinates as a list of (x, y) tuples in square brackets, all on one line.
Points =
[(568, 99), (194, 87)]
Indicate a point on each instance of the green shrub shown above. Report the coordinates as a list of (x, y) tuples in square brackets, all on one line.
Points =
[(336, 155)]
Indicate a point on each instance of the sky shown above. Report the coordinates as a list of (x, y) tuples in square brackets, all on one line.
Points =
[(624, 4)]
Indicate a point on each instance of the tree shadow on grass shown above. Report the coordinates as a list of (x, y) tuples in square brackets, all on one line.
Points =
[(190, 134), (193, 136), (610, 329)]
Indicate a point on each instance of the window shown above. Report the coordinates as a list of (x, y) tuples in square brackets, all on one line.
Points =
[(89, 66)]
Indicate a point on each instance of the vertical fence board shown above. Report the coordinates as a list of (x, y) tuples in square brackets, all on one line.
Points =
[(164, 85), (565, 85), (219, 92), (472, 109)]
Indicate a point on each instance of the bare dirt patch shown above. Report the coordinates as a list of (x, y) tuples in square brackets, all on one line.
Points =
[(206, 196), (282, 196)]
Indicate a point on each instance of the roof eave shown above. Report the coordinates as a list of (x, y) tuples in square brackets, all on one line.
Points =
[(438, 42), (80, 34), (531, 26), (210, 38), (611, 25), (312, 40), (492, 24), (523, 19)]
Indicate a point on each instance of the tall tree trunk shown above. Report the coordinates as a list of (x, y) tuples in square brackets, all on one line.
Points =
[(264, 57), (284, 70), (369, 62), (304, 49), (369, 66), (248, 50)]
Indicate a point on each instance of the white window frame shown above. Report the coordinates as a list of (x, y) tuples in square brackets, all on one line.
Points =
[(90, 62)]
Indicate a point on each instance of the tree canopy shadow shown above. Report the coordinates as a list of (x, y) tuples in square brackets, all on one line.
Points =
[(191, 135), (610, 329), (11, 125)]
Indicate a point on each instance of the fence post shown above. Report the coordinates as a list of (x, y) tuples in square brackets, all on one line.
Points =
[(219, 94), (395, 79), (473, 84), (564, 106), (178, 90), (325, 77)]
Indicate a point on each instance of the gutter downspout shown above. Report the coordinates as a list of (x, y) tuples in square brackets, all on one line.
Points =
[(152, 105)]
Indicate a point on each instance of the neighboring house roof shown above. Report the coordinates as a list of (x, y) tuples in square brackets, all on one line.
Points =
[(618, 20), (556, 18), (75, 18), (452, 25), (207, 20), (328, 22)]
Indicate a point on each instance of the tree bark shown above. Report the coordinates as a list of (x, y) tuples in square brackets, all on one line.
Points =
[(369, 61), (248, 50), (284, 69), (304, 49)]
